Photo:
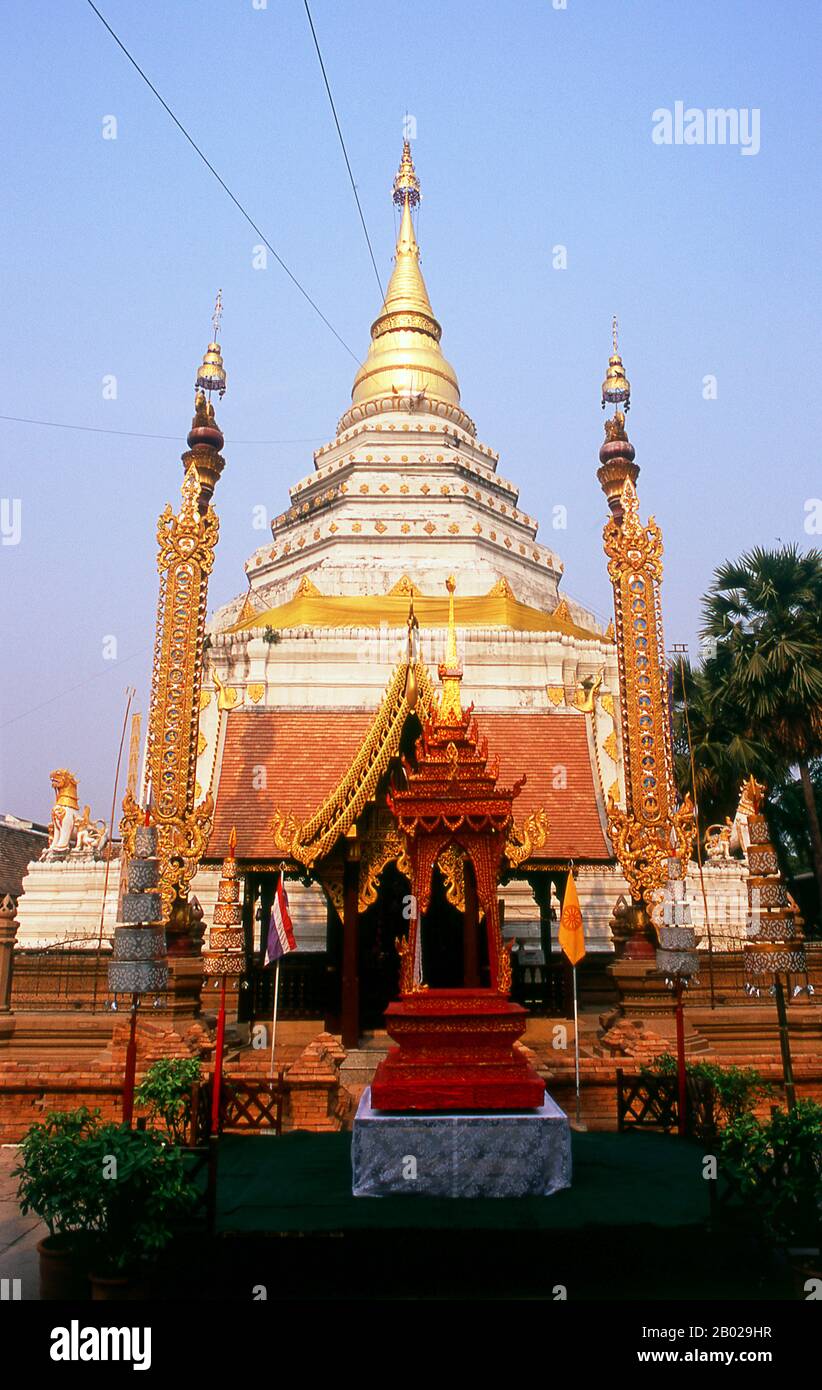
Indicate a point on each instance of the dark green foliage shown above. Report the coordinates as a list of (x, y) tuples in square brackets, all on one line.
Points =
[(166, 1091), (112, 1191), (777, 1167), (54, 1181), (140, 1188), (736, 1090)]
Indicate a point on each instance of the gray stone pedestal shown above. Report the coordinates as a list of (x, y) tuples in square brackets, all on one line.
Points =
[(484, 1155)]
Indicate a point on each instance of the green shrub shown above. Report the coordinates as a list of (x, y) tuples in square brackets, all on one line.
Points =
[(140, 1189), (166, 1091), (777, 1167), (54, 1178), (736, 1090)]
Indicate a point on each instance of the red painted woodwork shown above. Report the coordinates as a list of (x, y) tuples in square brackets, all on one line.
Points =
[(455, 1051), (455, 1047)]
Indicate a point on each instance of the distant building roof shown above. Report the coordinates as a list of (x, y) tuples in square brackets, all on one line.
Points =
[(20, 842)]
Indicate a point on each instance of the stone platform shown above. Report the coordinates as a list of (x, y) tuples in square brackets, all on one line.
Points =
[(520, 1154)]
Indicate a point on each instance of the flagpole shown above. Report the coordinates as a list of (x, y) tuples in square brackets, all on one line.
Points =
[(217, 1074), (576, 1039), (274, 1015)]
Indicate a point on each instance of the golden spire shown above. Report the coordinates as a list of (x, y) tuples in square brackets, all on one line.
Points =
[(616, 387), (450, 670), (405, 358), (406, 183)]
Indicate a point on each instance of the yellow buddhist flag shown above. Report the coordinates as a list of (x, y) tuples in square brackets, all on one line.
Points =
[(571, 935)]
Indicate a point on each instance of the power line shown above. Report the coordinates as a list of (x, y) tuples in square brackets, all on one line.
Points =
[(138, 434), (344, 150), (80, 685), (249, 219)]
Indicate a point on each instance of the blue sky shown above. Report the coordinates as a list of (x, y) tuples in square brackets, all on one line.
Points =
[(533, 130)]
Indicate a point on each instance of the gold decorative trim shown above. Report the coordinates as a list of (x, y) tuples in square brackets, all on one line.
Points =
[(185, 559), (255, 692), (388, 848), (452, 867), (556, 694), (404, 588), (609, 745)]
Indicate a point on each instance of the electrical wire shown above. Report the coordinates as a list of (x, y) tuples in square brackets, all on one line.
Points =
[(221, 181), (138, 434), (344, 150)]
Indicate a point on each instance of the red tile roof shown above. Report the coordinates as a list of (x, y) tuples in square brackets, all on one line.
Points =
[(552, 751), (305, 753)]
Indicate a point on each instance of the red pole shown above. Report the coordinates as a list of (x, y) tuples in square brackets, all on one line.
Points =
[(217, 1078), (680, 1061), (131, 1066)]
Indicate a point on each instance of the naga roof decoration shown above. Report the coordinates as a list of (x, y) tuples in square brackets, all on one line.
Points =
[(315, 837)]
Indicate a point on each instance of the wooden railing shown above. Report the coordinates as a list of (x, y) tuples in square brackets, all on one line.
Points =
[(246, 1104), (646, 1101)]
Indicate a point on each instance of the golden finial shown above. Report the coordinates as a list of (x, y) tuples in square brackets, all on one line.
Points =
[(232, 841), (410, 679), (211, 376), (451, 648), (450, 670), (616, 388), (406, 183)]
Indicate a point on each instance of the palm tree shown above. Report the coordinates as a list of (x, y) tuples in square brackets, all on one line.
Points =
[(764, 612), (724, 753)]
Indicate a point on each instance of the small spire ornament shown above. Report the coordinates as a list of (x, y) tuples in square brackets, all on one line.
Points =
[(225, 955), (211, 376), (616, 388)]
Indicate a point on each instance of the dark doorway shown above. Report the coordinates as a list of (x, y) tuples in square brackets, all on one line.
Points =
[(379, 927), (442, 952)]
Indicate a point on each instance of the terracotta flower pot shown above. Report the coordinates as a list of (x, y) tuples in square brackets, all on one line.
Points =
[(63, 1274), (118, 1288)]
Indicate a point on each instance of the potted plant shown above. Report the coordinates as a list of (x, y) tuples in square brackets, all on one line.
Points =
[(777, 1168), (140, 1189), (54, 1185), (166, 1091)]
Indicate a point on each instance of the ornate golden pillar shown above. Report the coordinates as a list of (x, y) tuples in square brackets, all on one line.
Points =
[(652, 825), (187, 541)]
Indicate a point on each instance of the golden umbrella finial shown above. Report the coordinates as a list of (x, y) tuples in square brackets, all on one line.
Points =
[(406, 183), (616, 388), (212, 376)]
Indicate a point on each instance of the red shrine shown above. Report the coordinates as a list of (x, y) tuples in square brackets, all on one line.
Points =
[(455, 1047)]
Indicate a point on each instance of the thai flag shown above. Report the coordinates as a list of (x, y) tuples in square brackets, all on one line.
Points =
[(280, 931)]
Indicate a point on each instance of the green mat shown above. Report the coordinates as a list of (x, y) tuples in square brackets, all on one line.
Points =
[(302, 1182)]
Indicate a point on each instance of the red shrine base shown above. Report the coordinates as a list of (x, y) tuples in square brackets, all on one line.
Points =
[(456, 1052)]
